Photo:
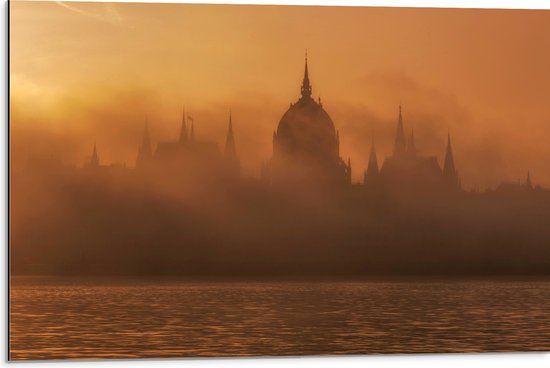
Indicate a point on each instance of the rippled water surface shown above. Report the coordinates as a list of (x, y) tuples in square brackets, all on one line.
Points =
[(87, 319)]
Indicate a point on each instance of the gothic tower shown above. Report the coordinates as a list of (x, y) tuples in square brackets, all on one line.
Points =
[(450, 175), (371, 175), (230, 153), (94, 159), (408, 172), (400, 147)]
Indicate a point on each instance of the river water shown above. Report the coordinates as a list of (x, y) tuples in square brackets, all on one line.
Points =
[(53, 318)]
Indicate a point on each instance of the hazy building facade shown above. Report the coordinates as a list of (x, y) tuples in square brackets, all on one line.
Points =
[(518, 187), (407, 170), (188, 157), (306, 155), (306, 146)]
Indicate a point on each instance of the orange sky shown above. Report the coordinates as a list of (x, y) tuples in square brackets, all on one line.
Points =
[(85, 72)]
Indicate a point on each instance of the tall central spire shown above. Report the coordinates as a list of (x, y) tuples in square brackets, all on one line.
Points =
[(306, 86)]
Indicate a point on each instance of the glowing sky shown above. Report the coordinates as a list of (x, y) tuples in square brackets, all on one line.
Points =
[(85, 72)]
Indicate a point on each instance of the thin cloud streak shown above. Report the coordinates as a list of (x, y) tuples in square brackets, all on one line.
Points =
[(109, 15)]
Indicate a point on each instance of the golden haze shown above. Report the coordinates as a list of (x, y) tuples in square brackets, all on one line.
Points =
[(85, 72)]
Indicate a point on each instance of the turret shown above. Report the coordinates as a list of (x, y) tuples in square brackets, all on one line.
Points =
[(400, 147), (230, 150), (371, 175), (94, 159)]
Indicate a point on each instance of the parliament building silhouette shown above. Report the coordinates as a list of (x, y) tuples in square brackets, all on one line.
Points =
[(187, 209), (306, 152)]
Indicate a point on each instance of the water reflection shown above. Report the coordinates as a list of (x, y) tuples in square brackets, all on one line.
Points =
[(56, 319)]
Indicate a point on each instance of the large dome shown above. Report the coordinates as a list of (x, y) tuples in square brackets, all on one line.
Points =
[(306, 129)]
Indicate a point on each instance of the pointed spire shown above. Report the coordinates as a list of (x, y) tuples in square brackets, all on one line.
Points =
[(183, 130), (230, 153), (94, 160), (449, 160), (306, 86), (372, 170), (411, 146), (230, 150), (400, 141), (449, 171)]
